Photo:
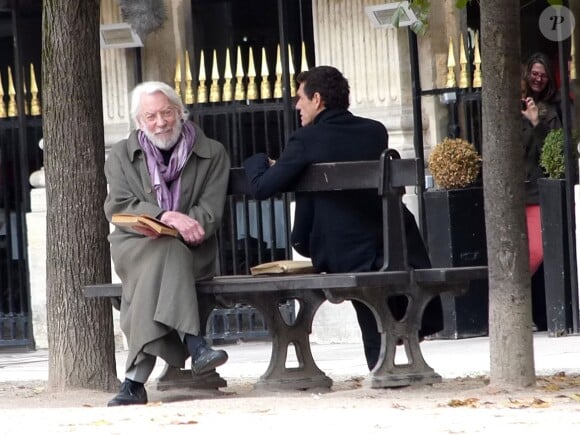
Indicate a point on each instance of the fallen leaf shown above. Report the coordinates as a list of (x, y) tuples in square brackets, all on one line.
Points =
[(540, 403), (471, 402), (177, 422), (101, 423), (532, 403)]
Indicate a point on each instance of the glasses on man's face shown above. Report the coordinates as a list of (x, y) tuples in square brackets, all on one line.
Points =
[(166, 114), (538, 75)]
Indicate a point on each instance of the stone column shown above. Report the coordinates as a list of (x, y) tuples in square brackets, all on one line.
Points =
[(36, 235), (375, 61), (118, 78)]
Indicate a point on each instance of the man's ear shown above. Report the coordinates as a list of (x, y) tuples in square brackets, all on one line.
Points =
[(317, 98)]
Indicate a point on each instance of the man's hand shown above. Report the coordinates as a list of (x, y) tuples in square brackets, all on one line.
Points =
[(190, 229)]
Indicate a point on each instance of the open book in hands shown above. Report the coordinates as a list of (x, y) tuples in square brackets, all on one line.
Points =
[(136, 221)]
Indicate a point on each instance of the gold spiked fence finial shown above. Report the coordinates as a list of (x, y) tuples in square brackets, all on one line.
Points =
[(265, 91), (291, 71), (476, 63), (239, 89), (189, 95), (278, 83), (34, 103), (463, 74), (12, 110), (214, 90), (202, 88), (227, 92), (3, 113), (451, 82), (252, 86), (304, 62)]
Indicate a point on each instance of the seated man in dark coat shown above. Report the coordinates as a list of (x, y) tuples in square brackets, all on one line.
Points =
[(340, 231)]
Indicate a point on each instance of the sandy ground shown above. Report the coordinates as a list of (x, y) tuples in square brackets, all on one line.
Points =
[(456, 406), (463, 403)]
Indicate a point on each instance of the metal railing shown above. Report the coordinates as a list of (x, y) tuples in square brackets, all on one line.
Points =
[(17, 160), (252, 232)]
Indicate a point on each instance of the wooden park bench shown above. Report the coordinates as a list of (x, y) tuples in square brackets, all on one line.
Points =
[(389, 176)]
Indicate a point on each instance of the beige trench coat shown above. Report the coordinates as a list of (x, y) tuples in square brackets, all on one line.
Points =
[(158, 275)]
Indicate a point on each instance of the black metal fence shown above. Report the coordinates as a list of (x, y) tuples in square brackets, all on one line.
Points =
[(252, 232), (19, 155)]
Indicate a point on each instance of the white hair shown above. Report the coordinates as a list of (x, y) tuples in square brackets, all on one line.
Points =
[(152, 87)]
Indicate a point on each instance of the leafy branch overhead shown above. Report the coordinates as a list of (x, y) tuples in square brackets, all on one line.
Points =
[(421, 10)]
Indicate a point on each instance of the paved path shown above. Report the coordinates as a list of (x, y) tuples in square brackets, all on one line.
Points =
[(450, 358), (456, 406)]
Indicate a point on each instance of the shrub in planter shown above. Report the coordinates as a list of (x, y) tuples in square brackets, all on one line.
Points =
[(454, 163), (552, 155), (555, 236)]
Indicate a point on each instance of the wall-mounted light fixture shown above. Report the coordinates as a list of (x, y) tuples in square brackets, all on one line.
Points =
[(119, 35), (382, 15)]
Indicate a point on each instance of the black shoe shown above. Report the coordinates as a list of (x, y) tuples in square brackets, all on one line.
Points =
[(132, 393), (208, 359)]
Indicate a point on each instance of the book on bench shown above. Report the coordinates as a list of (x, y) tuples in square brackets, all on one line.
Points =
[(135, 221), (283, 267)]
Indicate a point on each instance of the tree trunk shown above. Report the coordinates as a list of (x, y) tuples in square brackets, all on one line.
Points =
[(80, 331), (510, 307)]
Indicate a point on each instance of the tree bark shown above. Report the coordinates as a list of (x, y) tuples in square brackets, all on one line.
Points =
[(510, 311), (80, 331)]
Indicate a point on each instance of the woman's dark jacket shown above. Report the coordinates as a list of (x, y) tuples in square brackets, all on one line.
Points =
[(533, 141)]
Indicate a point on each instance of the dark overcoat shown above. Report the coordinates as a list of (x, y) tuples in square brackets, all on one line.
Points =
[(158, 275), (339, 231)]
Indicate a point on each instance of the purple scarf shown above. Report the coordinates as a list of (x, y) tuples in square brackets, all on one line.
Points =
[(163, 175)]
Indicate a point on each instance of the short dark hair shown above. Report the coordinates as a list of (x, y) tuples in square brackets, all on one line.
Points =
[(329, 83)]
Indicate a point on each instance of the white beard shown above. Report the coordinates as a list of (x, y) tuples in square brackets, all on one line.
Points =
[(160, 142)]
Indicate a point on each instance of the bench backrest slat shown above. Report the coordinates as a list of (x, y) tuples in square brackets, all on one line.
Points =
[(322, 177), (389, 176)]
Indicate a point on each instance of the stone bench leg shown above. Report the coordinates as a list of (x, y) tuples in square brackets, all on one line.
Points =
[(405, 331), (279, 377), (415, 371)]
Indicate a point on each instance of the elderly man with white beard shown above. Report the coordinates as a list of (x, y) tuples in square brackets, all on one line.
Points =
[(167, 169)]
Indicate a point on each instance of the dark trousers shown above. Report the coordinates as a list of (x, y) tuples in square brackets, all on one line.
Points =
[(370, 334), (432, 321)]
